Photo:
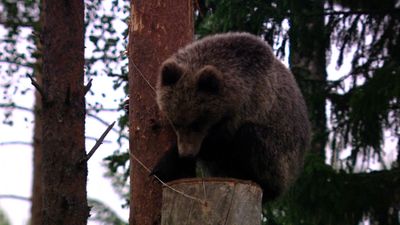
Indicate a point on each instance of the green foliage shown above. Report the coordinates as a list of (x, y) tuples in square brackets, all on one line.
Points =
[(369, 31), (18, 19), (3, 218), (372, 108), (264, 18), (325, 196), (365, 103), (118, 171), (103, 214)]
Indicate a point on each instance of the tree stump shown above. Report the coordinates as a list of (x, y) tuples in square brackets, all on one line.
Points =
[(211, 201)]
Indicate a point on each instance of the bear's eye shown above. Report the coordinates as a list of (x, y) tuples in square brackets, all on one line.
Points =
[(177, 125), (197, 125)]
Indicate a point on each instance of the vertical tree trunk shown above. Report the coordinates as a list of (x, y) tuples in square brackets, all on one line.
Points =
[(308, 44), (37, 196), (36, 207), (64, 170), (157, 29)]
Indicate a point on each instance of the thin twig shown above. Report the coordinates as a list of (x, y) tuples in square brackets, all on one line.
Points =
[(36, 85), (143, 77), (103, 109), (99, 142), (16, 197), (15, 143), (14, 106), (165, 184), (100, 120), (88, 86)]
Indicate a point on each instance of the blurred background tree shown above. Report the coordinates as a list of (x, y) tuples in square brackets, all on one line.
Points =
[(3, 218), (105, 61)]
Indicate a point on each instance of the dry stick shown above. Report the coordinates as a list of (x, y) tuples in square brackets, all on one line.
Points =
[(88, 86), (36, 85), (16, 197), (166, 185), (99, 142), (16, 143)]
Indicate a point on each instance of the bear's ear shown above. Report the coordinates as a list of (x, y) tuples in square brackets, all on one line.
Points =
[(209, 80), (171, 72)]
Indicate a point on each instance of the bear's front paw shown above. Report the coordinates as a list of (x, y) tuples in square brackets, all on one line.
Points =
[(171, 166)]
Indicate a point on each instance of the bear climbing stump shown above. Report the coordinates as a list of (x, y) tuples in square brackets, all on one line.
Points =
[(211, 201)]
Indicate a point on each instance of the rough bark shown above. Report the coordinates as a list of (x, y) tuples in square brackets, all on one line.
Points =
[(219, 201), (37, 197), (307, 59), (157, 29), (36, 207), (64, 170)]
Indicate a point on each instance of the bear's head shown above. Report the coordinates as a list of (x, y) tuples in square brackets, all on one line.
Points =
[(193, 100)]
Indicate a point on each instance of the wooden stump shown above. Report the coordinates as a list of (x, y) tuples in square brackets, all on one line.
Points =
[(211, 201)]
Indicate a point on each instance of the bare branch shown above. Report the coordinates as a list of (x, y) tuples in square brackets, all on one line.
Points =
[(99, 142), (14, 106), (95, 139), (30, 143), (101, 121), (104, 109), (88, 86), (362, 12), (17, 197), (36, 85), (15, 143)]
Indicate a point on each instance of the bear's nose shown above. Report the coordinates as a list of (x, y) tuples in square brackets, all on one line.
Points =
[(189, 144), (188, 150)]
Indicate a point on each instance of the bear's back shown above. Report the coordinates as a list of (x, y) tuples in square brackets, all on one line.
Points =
[(236, 53)]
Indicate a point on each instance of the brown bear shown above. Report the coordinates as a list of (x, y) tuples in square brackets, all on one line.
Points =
[(236, 110)]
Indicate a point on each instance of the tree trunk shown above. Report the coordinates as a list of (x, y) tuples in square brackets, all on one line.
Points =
[(36, 207), (157, 29), (218, 201), (307, 59), (64, 168), (37, 192)]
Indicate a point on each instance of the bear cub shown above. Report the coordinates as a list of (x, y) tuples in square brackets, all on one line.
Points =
[(236, 110)]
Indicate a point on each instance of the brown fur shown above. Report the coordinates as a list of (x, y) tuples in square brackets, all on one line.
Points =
[(236, 109)]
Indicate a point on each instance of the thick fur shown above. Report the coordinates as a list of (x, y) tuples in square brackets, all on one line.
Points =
[(236, 109)]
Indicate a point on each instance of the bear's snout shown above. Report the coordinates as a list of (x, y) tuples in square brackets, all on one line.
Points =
[(189, 144)]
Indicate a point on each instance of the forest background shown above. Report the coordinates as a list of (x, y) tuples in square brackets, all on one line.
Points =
[(344, 54)]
